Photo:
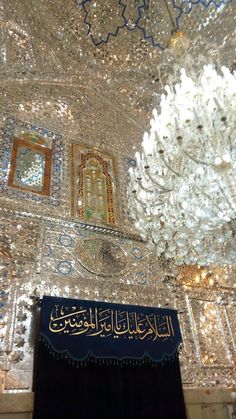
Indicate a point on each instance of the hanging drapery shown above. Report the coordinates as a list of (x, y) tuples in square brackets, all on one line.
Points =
[(100, 360)]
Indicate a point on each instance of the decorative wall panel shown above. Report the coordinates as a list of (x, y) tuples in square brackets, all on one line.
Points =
[(231, 323), (94, 189), (30, 168), (72, 252), (31, 162), (7, 296), (210, 335), (19, 244)]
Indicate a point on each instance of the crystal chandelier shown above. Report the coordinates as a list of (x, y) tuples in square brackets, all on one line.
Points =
[(182, 192)]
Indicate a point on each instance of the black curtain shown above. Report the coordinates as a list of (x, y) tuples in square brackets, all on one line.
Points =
[(106, 391)]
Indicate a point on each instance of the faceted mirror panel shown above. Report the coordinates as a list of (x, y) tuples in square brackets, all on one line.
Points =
[(29, 171)]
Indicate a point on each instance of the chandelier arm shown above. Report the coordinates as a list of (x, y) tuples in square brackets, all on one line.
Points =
[(134, 194), (230, 143), (223, 191), (225, 196), (208, 196), (143, 188), (223, 139), (138, 200), (211, 142), (193, 159), (170, 168), (157, 183)]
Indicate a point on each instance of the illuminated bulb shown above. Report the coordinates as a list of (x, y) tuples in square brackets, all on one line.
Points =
[(203, 275), (211, 282), (178, 43), (197, 278)]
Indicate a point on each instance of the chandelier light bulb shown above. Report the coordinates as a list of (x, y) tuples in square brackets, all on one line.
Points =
[(185, 179), (178, 43)]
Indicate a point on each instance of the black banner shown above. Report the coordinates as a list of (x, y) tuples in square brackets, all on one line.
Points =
[(83, 329), (107, 361)]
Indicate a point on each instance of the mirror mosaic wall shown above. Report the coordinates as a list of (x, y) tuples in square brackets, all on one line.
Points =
[(71, 118)]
